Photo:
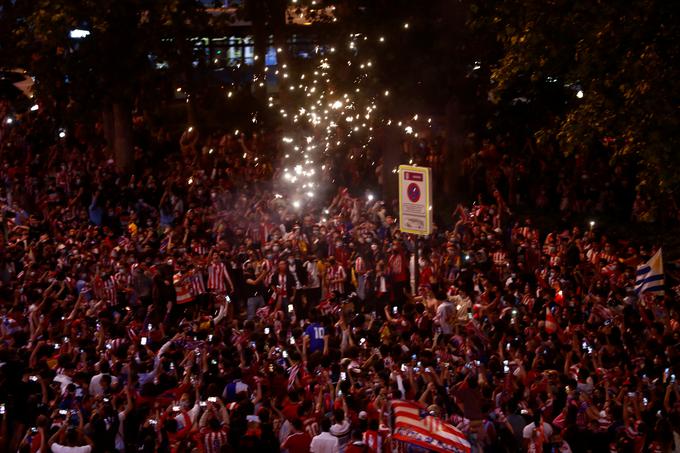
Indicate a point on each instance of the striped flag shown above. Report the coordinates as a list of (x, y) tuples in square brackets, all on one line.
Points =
[(550, 323), (183, 289), (197, 284), (414, 426), (649, 276)]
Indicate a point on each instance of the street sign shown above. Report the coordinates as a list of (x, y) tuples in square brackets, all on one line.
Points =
[(415, 200)]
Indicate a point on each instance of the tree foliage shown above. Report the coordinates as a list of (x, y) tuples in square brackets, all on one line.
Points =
[(615, 65)]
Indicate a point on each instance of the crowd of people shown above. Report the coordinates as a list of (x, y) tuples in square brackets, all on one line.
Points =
[(189, 307)]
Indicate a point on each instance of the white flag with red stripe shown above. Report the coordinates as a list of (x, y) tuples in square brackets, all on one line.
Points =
[(550, 322), (183, 289), (413, 425)]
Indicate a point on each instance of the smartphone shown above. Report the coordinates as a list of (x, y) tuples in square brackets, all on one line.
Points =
[(339, 392), (34, 430), (108, 346), (203, 404), (106, 400), (285, 354), (394, 310), (266, 330), (212, 399), (152, 421), (210, 337), (632, 394), (290, 308), (404, 367), (343, 376), (252, 344), (362, 341), (3, 409), (672, 378), (61, 411), (148, 327), (144, 340), (34, 378), (175, 408), (292, 340)]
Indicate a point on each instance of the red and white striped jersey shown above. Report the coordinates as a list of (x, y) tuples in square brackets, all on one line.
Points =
[(123, 279), (360, 266), (607, 257), (218, 278), (105, 289), (214, 440), (197, 283), (200, 249), (183, 289), (499, 258), (335, 273)]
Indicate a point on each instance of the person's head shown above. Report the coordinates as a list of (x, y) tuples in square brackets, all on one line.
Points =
[(339, 415), (298, 424), (72, 436), (214, 424), (357, 435), (105, 381), (326, 424)]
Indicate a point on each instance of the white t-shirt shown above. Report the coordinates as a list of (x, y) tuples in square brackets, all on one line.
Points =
[(324, 443), (120, 435), (342, 432), (446, 314), (95, 384), (529, 430), (57, 448)]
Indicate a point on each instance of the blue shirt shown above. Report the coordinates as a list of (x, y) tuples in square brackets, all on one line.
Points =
[(315, 332)]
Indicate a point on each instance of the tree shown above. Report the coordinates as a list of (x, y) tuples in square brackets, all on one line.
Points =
[(107, 71), (602, 72)]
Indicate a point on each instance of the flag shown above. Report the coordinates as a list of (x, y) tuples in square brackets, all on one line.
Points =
[(649, 276), (414, 426), (183, 289), (550, 323)]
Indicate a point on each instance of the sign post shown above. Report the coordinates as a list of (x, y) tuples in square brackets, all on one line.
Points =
[(415, 205)]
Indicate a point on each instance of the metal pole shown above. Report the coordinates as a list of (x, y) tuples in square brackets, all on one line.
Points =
[(416, 267)]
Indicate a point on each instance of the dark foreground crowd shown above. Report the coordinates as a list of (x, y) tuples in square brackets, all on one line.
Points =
[(190, 308)]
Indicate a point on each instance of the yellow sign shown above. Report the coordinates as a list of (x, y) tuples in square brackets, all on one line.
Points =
[(415, 200)]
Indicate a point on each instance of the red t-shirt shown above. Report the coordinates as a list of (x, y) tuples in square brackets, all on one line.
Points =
[(297, 442)]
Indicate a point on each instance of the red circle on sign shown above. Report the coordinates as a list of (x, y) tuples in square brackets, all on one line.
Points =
[(413, 192)]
